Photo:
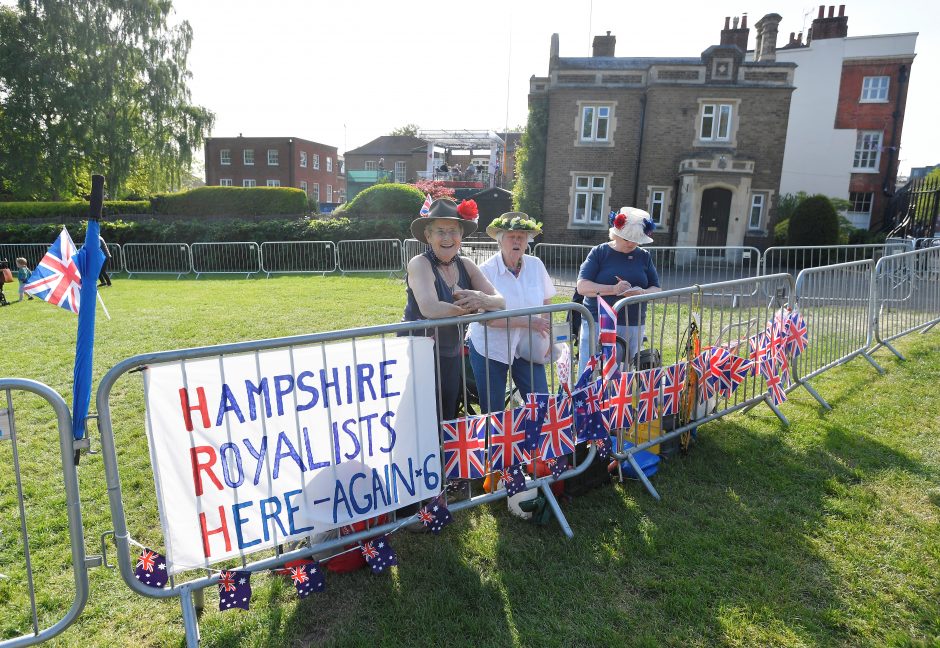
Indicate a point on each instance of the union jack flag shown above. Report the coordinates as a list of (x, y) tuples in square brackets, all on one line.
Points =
[(234, 590), (797, 336), (151, 568), (620, 404), (507, 439), (673, 384), (57, 279), (760, 347), (702, 366), (426, 207), (735, 373), (777, 393), (607, 323), (717, 360), (557, 437), (648, 383), (464, 447)]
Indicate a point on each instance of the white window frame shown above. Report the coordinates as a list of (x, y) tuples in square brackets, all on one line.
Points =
[(875, 89), (248, 157), (871, 201), (329, 193), (401, 171), (659, 196), (867, 151), (316, 191), (225, 157), (273, 183), (274, 157), (303, 186), (758, 202), (249, 182), (225, 182), (370, 165), (718, 115), (316, 161), (329, 164), (303, 159), (591, 117), (595, 186)]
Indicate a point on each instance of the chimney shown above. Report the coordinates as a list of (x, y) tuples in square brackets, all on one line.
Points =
[(735, 35), (829, 27), (553, 53), (766, 47), (604, 45)]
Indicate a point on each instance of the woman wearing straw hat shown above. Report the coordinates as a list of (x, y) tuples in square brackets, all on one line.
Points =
[(618, 269), (440, 283), (524, 344)]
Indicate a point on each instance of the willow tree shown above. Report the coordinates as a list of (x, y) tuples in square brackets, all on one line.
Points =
[(87, 85)]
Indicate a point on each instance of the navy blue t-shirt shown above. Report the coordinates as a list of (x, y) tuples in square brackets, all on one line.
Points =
[(604, 264)]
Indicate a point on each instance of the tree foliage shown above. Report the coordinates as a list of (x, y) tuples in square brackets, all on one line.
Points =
[(435, 188), (89, 86), (814, 222), (407, 129), (530, 162)]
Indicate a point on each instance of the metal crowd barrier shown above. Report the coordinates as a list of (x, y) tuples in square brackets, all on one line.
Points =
[(186, 589), (32, 252), (374, 255), (278, 257), (792, 259), (32, 577), (835, 302), (157, 258), (906, 295), (411, 248), (679, 321), (117, 258), (562, 262), (679, 267), (226, 258)]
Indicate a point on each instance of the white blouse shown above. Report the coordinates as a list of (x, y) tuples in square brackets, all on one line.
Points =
[(531, 288)]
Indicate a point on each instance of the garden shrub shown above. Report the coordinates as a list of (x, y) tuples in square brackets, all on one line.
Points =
[(231, 201), (814, 222), (389, 198), (69, 210)]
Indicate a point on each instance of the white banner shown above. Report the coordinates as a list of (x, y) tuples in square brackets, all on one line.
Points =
[(251, 450)]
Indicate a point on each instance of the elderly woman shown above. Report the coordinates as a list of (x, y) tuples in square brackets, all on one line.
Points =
[(619, 269), (441, 283), (517, 344)]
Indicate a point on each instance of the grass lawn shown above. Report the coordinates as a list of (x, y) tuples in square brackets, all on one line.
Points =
[(823, 533)]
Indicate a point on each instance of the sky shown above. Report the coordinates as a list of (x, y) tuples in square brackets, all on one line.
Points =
[(345, 72)]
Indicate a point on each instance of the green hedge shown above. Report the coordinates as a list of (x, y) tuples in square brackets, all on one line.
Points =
[(192, 231), (387, 198), (232, 201), (75, 209)]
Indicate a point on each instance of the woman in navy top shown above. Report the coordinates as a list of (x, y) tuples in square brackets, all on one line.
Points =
[(619, 269)]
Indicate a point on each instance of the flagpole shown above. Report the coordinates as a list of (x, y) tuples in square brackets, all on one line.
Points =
[(103, 307)]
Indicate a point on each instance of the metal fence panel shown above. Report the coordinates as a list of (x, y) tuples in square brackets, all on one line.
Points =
[(298, 257), (226, 258), (32, 252), (907, 295), (117, 258), (562, 262), (31, 577), (197, 578), (410, 248), (374, 255), (794, 258), (679, 267), (157, 258)]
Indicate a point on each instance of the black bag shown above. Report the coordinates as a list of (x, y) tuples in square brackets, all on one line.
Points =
[(595, 476), (647, 359), (574, 317)]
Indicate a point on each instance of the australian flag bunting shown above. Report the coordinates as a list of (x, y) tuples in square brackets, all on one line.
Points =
[(308, 578), (533, 418), (604, 447), (514, 478), (558, 466), (379, 554), (151, 568), (234, 590), (435, 515)]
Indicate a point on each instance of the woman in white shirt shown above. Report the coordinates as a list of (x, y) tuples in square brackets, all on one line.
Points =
[(496, 348)]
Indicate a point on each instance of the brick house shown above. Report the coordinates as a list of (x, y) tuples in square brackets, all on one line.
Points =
[(402, 155), (697, 142), (851, 95), (276, 162)]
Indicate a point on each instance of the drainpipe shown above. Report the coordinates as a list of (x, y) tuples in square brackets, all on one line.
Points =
[(639, 150), (895, 117), (674, 220)]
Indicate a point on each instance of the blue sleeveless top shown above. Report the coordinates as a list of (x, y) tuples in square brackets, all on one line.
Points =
[(449, 342)]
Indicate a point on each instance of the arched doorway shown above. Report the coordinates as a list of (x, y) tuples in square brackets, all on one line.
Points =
[(713, 223)]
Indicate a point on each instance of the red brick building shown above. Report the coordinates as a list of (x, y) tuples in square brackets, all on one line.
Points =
[(276, 162)]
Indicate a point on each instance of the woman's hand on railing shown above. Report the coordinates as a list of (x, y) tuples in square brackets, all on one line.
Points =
[(475, 300)]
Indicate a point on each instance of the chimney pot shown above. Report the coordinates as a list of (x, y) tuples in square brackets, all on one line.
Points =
[(832, 11), (727, 22), (608, 32), (735, 22), (743, 21), (841, 11), (822, 11)]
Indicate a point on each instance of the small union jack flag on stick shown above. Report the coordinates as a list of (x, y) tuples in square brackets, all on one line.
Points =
[(607, 325)]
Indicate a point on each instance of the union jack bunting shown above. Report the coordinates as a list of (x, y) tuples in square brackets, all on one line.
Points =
[(673, 384), (379, 554), (57, 279), (464, 447), (760, 347), (507, 439), (607, 325), (620, 404), (702, 366), (234, 590), (648, 386), (151, 568), (533, 419), (563, 367), (557, 435), (777, 393), (717, 359), (797, 336), (734, 374)]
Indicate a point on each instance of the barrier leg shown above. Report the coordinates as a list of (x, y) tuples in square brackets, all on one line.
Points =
[(894, 351), (643, 477), (815, 394), (199, 601), (776, 410), (928, 327), (190, 622), (872, 362), (550, 498)]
